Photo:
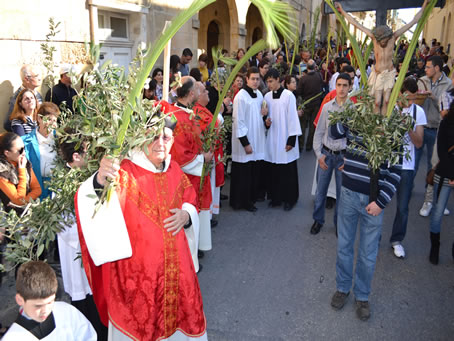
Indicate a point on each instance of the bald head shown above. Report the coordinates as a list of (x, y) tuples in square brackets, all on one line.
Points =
[(186, 92), (311, 65)]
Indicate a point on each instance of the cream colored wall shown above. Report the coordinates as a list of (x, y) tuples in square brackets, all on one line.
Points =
[(24, 27), (25, 24), (434, 26)]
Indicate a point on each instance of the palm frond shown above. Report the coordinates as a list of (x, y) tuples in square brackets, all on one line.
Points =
[(353, 42), (277, 16)]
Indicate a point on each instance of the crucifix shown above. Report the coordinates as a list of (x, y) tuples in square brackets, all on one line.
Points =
[(382, 78)]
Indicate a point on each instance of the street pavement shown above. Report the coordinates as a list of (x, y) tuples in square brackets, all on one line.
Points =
[(267, 278)]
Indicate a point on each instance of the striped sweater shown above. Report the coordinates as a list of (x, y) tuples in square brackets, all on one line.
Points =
[(356, 174)]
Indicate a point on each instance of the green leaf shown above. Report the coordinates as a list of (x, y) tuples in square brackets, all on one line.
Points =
[(408, 56)]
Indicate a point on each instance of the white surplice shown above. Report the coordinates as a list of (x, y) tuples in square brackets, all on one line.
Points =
[(284, 123), (70, 325), (248, 121), (75, 280)]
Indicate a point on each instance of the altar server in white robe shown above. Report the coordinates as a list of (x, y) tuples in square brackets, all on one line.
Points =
[(281, 150), (75, 282), (248, 144), (40, 317)]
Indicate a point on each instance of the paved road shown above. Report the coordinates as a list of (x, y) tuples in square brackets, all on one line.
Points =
[(268, 278)]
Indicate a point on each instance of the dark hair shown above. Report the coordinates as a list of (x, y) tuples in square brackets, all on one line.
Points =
[(152, 85), (48, 108), (273, 73), (347, 69), (155, 72), (410, 85), (174, 61), (203, 58), (6, 141), (344, 76), (68, 146), (251, 70), (287, 80), (436, 61), (184, 90), (240, 49), (263, 62), (297, 59), (224, 51), (187, 52), (421, 60), (195, 72), (445, 58), (36, 280)]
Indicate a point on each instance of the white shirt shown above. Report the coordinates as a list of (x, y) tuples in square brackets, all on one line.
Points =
[(284, 123), (248, 121), (409, 146), (332, 81), (70, 325), (47, 153)]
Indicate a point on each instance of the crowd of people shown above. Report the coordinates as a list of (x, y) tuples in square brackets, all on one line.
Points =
[(278, 110)]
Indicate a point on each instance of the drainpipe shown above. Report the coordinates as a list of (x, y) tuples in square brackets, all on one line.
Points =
[(93, 18)]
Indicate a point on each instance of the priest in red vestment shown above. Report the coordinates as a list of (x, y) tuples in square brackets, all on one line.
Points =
[(134, 251), (188, 153), (204, 118)]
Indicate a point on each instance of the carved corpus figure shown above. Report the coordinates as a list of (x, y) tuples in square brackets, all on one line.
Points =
[(382, 78)]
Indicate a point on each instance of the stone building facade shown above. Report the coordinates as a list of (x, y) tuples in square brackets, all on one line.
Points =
[(120, 26), (441, 27)]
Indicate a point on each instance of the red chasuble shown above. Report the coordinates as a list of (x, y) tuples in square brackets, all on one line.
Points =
[(204, 121), (187, 145), (155, 292)]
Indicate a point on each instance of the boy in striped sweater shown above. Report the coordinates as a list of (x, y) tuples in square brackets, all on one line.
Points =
[(355, 207)]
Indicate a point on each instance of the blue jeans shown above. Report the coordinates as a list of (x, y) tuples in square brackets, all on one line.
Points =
[(403, 195), (430, 136), (439, 206), (323, 179), (352, 210)]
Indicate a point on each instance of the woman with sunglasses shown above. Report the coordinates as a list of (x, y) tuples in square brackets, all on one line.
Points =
[(23, 117), (18, 183)]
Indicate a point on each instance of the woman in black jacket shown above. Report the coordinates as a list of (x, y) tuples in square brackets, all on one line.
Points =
[(443, 181)]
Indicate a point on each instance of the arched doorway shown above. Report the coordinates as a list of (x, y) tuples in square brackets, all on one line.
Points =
[(222, 14), (254, 25), (256, 35), (448, 35), (442, 39), (212, 39)]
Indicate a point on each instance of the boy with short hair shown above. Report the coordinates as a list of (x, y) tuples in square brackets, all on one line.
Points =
[(40, 317)]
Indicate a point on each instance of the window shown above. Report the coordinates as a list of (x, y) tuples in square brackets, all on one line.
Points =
[(113, 26), (119, 27)]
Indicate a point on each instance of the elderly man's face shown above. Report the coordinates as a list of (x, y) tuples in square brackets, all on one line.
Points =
[(159, 149)]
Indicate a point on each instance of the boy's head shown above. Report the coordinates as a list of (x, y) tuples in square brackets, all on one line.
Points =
[(36, 286)]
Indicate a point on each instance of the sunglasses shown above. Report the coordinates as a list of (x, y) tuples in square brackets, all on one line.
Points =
[(20, 151)]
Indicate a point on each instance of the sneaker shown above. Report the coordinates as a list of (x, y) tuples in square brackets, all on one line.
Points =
[(362, 310), (399, 251), (425, 209), (446, 211), (339, 299)]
